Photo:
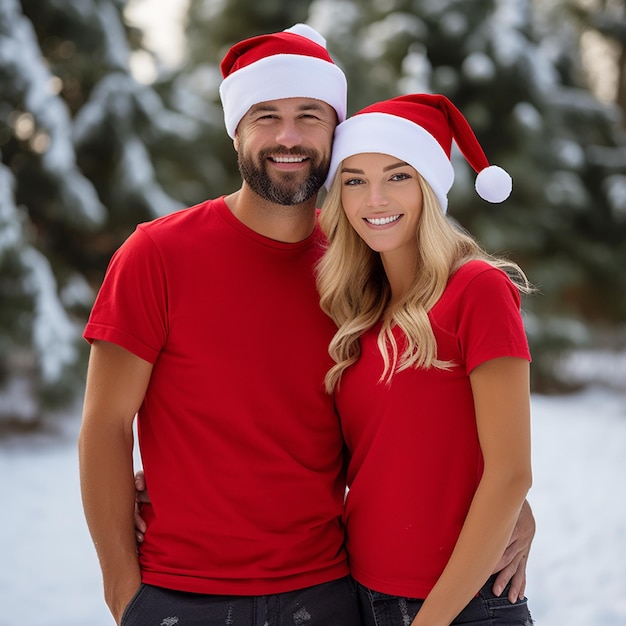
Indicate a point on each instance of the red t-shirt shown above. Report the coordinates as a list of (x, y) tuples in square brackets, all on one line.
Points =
[(415, 458), (241, 446)]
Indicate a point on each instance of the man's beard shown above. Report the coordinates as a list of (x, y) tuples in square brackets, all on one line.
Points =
[(288, 191)]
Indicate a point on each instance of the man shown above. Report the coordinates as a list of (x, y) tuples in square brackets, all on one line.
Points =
[(207, 327)]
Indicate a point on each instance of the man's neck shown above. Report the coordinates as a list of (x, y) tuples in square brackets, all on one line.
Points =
[(290, 224)]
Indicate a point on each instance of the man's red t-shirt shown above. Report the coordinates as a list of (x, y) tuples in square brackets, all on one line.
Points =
[(415, 458), (241, 445)]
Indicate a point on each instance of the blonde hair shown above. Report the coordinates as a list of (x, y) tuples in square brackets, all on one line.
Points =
[(355, 293)]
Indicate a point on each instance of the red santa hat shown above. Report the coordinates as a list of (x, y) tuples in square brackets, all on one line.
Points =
[(419, 129), (293, 63)]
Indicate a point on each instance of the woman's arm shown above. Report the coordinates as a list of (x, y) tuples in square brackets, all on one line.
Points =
[(116, 385), (502, 401)]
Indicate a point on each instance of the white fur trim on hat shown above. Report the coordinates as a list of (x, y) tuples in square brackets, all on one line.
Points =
[(282, 76), (390, 134)]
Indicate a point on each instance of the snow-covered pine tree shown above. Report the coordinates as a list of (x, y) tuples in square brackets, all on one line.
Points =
[(87, 152), (76, 175)]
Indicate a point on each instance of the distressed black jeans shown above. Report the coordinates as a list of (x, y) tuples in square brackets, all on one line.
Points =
[(330, 604), (486, 609)]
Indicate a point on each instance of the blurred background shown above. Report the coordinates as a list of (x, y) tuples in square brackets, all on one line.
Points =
[(109, 116)]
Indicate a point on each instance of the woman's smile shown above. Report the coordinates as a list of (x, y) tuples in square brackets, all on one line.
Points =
[(383, 221)]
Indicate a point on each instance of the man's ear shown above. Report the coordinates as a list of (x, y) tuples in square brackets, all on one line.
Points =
[(236, 141)]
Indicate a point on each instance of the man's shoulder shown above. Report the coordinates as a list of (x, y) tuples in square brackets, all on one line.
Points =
[(183, 219)]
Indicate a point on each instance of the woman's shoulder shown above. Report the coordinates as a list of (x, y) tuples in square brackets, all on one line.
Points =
[(470, 270), (479, 279)]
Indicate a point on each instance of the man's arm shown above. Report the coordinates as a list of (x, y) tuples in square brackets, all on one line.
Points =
[(116, 385), (512, 565)]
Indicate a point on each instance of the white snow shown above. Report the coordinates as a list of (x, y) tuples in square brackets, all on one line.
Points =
[(615, 188), (577, 571), (55, 334)]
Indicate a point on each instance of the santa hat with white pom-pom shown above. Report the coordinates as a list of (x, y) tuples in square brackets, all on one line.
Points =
[(419, 129), (293, 63)]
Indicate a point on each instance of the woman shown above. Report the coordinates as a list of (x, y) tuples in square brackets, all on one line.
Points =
[(431, 380)]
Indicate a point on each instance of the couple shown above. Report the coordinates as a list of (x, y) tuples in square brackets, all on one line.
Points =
[(208, 326)]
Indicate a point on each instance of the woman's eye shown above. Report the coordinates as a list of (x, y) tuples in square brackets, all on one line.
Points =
[(353, 181), (400, 176)]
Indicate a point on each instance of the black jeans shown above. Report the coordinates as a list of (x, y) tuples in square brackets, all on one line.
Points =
[(330, 604), (486, 609)]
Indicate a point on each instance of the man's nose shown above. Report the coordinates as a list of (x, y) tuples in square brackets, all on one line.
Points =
[(288, 134)]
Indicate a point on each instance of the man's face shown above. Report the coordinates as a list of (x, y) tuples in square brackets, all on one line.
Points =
[(284, 146)]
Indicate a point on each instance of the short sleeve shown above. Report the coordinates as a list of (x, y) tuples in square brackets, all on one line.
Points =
[(131, 306), (490, 320)]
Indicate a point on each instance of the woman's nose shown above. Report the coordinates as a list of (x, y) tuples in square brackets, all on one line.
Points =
[(376, 196)]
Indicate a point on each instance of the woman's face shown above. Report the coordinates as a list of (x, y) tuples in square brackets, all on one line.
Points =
[(382, 199)]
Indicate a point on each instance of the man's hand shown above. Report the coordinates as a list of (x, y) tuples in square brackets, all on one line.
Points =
[(512, 565), (141, 495)]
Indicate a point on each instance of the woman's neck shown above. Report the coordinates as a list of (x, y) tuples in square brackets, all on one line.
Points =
[(400, 267)]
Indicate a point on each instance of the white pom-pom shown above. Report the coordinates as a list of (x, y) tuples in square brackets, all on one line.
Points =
[(493, 184), (307, 31)]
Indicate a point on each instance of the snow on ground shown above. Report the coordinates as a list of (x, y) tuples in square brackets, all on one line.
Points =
[(49, 574)]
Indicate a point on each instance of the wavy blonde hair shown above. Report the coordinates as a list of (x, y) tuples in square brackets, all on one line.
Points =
[(355, 293)]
